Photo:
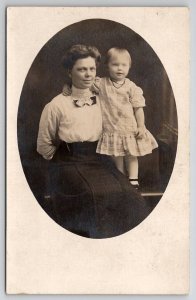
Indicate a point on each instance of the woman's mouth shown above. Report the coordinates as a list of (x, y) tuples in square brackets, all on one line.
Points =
[(87, 81)]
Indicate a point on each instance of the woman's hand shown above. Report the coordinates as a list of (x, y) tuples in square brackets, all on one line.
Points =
[(141, 132)]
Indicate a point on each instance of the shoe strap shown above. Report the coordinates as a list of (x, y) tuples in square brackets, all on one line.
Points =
[(133, 179)]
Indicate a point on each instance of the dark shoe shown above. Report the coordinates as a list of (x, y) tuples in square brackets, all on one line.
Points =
[(135, 186)]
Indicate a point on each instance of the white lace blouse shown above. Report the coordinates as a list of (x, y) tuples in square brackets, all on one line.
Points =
[(63, 120)]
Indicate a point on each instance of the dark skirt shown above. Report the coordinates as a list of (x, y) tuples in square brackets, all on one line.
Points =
[(90, 196)]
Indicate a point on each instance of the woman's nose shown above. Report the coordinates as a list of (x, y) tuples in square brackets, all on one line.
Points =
[(88, 73)]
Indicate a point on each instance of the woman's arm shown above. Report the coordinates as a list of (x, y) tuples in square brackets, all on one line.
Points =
[(140, 119), (47, 133)]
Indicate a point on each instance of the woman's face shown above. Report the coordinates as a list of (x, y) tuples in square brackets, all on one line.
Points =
[(83, 72)]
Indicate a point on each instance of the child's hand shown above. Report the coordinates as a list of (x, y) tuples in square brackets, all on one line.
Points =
[(66, 90), (141, 132), (95, 86)]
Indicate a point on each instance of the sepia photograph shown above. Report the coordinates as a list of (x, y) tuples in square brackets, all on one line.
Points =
[(97, 128), (97, 144)]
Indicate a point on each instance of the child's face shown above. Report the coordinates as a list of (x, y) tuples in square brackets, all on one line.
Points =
[(118, 66)]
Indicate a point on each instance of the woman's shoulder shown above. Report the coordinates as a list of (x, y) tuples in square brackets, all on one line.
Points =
[(57, 103), (59, 100)]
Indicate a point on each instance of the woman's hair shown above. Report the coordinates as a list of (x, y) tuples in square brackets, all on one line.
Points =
[(115, 50), (77, 52)]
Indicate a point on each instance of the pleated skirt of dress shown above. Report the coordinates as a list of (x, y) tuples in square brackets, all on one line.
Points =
[(117, 144), (90, 196)]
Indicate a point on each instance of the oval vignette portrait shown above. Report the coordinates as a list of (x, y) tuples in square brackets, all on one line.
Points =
[(97, 137)]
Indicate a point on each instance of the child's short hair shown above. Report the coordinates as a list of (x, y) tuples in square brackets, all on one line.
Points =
[(117, 50)]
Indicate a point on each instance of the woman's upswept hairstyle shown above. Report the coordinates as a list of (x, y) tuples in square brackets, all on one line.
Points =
[(77, 52)]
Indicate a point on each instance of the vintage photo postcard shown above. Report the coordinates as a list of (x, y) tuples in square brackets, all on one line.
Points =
[(97, 150)]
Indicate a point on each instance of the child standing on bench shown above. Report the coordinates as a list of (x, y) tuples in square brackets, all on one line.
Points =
[(124, 136)]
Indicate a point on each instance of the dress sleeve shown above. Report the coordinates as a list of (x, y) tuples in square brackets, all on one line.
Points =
[(47, 134), (136, 96)]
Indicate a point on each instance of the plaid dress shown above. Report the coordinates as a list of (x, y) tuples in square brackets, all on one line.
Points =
[(119, 124)]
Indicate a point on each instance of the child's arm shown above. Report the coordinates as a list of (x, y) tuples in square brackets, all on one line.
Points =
[(94, 88), (140, 119), (66, 90), (96, 84), (138, 102)]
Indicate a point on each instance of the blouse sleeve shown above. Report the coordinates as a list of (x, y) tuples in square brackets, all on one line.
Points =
[(136, 96), (47, 134)]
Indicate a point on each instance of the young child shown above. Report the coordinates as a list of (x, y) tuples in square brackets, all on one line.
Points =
[(124, 135)]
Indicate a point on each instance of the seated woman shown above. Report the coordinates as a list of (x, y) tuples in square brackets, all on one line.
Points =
[(90, 196)]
